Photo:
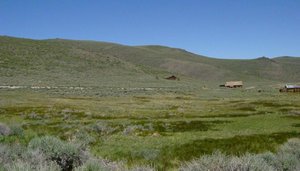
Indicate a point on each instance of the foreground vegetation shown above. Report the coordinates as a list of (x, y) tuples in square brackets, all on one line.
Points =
[(51, 154), (160, 130)]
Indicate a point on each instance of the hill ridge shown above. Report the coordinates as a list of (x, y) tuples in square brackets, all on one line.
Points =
[(103, 63)]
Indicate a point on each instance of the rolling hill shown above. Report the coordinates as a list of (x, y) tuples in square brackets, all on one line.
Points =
[(90, 63)]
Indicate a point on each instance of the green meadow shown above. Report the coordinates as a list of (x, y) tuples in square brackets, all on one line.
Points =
[(88, 106), (160, 129)]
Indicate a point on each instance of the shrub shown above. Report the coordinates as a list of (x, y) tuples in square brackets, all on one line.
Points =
[(83, 139), (10, 153), (248, 162), (287, 158), (289, 155), (67, 156), (132, 129), (221, 162), (142, 168), (18, 158), (271, 159), (2, 168), (91, 165), (105, 165), (17, 130), (214, 162), (24, 166), (103, 128), (4, 130), (147, 154)]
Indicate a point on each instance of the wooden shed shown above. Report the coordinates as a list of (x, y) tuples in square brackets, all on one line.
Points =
[(234, 84), (290, 88)]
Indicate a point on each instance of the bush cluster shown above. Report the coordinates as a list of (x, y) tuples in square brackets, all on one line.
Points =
[(4, 130), (66, 155), (287, 158), (52, 154)]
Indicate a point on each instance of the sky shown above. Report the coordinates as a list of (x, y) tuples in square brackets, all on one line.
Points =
[(214, 28)]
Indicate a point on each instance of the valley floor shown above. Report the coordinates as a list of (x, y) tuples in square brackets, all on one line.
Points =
[(157, 127)]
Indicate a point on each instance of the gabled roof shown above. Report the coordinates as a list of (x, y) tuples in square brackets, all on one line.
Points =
[(230, 83), (292, 86)]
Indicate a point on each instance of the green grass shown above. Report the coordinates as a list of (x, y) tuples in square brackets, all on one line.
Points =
[(161, 129), (117, 99), (60, 62)]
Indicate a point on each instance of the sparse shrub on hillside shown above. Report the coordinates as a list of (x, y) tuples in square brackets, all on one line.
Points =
[(17, 130), (248, 162), (94, 164), (83, 139), (289, 155), (52, 154), (142, 168), (271, 159), (90, 165), (10, 153), (23, 166), (221, 162), (147, 154), (214, 162), (4, 130), (33, 116), (19, 158), (103, 128), (2, 168), (67, 156), (287, 158), (132, 129)]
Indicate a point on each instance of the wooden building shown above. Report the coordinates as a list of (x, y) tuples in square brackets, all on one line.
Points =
[(290, 88), (233, 84)]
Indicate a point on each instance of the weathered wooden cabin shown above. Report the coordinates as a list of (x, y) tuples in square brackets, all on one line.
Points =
[(234, 84), (290, 88)]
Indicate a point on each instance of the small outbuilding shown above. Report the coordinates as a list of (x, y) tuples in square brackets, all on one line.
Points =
[(290, 88), (233, 84)]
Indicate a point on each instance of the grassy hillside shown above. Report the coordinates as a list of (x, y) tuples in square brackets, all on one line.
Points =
[(69, 62), (33, 62), (113, 101)]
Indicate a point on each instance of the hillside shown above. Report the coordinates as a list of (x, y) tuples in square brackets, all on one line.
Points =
[(70, 62)]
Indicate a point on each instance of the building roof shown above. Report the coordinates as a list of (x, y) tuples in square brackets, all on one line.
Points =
[(233, 83), (292, 86)]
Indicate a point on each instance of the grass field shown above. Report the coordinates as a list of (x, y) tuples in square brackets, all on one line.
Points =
[(160, 128), (63, 99)]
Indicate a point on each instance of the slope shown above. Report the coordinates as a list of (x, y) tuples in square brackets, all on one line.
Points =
[(71, 62), (47, 62)]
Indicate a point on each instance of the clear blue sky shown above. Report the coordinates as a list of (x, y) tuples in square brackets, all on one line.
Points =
[(216, 28)]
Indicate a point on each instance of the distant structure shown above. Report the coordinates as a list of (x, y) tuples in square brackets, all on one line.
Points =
[(172, 78), (290, 88), (232, 84)]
